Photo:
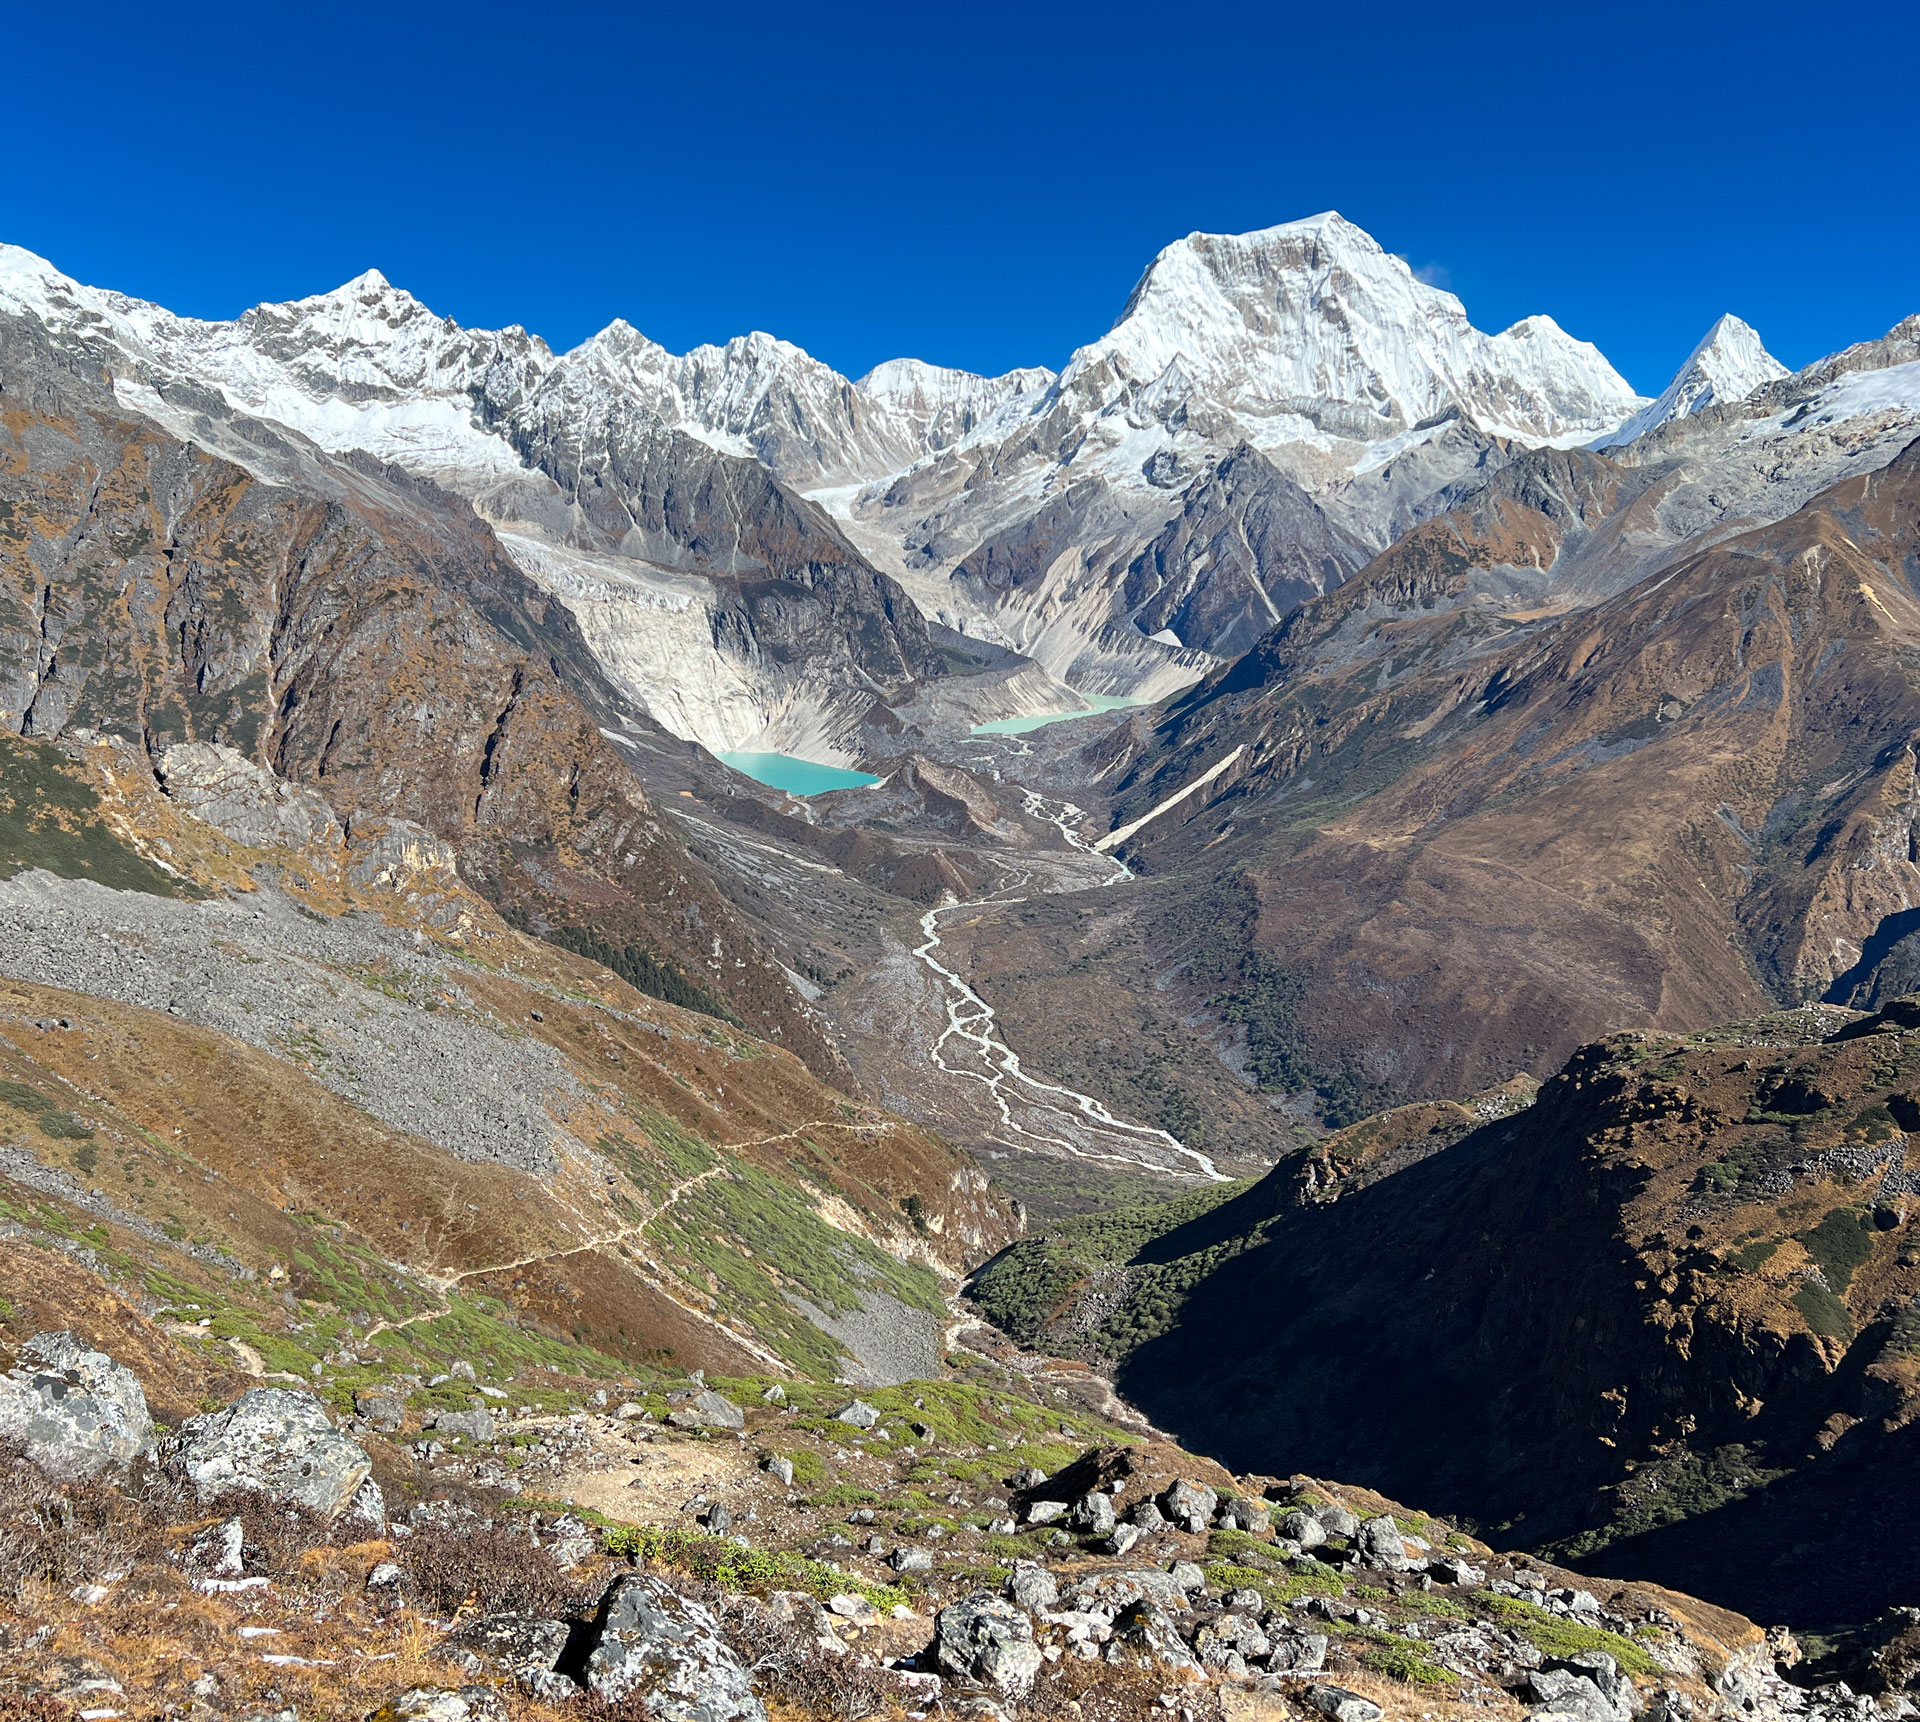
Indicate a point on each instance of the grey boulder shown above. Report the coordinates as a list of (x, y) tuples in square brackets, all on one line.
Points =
[(74, 1409), (276, 1441), (1340, 1704), (1337, 1521), (1189, 1505), (708, 1410), (988, 1641), (1238, 1513), (1092, 1515), (666, 1650), (522, 1645), (859, 1414), (1142, 1632), (1303, 1528), (1381, 1544), (1033, 1587), (473, 1425)]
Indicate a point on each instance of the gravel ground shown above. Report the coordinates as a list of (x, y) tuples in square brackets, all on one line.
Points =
[(891, 1341), (277, 976)]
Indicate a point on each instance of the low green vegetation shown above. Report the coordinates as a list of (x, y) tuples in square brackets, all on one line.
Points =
[(645, 972), (1553, 1635), (723, 1562), (50, 818)]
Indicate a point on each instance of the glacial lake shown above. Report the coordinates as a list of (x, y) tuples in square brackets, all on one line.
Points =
[(1039, 720), (795, 776)]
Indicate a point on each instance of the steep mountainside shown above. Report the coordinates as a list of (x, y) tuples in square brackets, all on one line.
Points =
[(1666, 1319), (363, 634), (783, 631), (1470, 817)]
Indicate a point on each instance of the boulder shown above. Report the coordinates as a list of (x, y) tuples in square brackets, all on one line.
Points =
[(1381, 1544), (1238, 1513), (1045, 1512), (1340, 1704), (1337, 1521), (74, 1409), (907, 1560), (666, 1650), (1142, 1632), (1146, 1517), (383, 1409), (522, 1645), (1588, 1686), (796, 1608), (860, 1414), (1305, 1654), (1032, 1587), (1122, 1539), (1189, 1505), (708, 1410), (851, 1606), (781, 1470), (437, 1704), (987, 1640), (1186, 1577), (470, 1425), (1303, 1528), (276, 1441), (1092, 1515)]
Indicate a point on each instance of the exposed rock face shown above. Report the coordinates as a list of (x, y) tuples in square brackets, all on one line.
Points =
[(221, 786), (274, 1440), (667, 1651), (75, 1410)]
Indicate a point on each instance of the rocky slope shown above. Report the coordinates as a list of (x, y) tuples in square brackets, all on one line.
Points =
[(1665, 1319), (737, 1547)]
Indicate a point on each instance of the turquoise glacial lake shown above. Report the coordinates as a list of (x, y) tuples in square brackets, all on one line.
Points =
[(1039, 720), (795, 776)]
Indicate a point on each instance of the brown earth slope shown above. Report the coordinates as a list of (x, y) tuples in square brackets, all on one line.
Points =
[(1459, 841), (365, 635)]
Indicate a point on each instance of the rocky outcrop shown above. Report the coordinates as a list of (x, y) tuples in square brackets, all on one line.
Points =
[(667, 1651), (277, 1442), (74, 1410)]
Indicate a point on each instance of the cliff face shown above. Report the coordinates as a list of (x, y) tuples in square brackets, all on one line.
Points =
[(1681, 1286)]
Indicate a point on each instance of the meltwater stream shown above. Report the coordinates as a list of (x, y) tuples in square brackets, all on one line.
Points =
[(1050, 1116)]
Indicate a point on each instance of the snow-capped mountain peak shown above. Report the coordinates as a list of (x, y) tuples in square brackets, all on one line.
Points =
[(1314, 329), (1727, 366)]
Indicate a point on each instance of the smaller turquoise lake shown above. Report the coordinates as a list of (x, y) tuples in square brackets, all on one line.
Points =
[(1039, 720), (795, 776)]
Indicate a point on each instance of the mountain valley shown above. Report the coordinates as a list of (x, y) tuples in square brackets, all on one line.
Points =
[(1367, 958)]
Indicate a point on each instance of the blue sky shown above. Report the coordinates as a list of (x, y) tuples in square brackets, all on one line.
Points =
[(975, 185)]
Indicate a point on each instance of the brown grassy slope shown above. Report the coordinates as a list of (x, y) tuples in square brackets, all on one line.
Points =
[(1483, 842)]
